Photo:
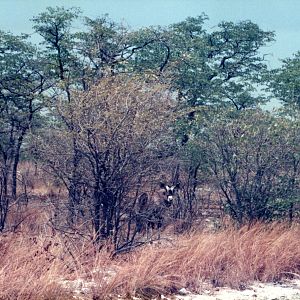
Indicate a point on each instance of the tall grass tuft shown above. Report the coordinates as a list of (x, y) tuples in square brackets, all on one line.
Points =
[(36, 267)]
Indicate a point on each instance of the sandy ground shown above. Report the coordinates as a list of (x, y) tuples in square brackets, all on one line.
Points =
[(289, 290), (260, 291)]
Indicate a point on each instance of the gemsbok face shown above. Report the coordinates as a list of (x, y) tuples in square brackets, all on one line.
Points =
[(152, 208), (168, 193)]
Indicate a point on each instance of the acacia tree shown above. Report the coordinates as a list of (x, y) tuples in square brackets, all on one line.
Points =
[(254, 160), (121, 128), (54, 25), (65, 69), (22, 84)]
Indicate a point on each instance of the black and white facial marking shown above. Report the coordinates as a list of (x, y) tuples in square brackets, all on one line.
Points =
[(168, 192)]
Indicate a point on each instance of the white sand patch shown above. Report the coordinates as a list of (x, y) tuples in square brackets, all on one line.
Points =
[(78, 287), (289, 290), (259, 291)]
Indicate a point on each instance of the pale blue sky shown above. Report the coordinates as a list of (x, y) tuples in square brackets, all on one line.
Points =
[(282, 16)]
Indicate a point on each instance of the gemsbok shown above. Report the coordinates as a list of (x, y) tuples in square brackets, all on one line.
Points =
[(153, 208)]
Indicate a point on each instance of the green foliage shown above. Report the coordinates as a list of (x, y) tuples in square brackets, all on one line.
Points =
[(285, 81), (218, 67), (104, 47), (54, 25), (22, 83)]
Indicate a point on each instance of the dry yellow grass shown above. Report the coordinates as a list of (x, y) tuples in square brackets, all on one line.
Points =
[(34, 267)]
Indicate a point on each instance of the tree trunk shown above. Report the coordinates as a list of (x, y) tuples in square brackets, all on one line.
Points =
[(15, 167), (97, 209), (4, 198)]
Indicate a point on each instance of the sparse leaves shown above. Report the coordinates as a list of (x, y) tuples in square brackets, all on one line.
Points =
[(253, 158)]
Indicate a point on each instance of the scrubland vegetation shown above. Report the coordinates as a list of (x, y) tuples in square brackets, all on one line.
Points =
[(135, 163)]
